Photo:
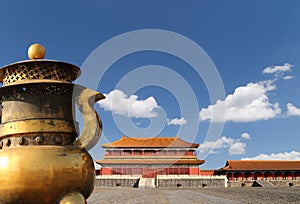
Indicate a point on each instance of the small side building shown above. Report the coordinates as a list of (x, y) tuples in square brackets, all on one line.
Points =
[(276, 172)]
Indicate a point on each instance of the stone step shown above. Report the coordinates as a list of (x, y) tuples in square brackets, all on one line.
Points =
[(147, 183), (263, 183)]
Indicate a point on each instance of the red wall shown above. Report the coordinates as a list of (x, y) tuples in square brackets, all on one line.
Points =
[(105, 171), (194, 171)]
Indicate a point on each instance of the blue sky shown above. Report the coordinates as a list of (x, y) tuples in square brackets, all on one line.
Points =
[(254, 45)]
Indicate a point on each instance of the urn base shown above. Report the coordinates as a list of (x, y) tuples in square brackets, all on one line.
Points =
[(44, 174)]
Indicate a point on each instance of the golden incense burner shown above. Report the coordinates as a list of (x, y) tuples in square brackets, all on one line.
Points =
[(42, 159)]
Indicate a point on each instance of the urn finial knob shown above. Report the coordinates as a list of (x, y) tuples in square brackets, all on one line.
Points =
[(36, 51)]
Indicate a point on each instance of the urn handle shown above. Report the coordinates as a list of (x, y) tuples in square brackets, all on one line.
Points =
[(85, 99)]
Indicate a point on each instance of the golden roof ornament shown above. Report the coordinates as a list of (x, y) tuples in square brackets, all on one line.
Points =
[(36, 51)]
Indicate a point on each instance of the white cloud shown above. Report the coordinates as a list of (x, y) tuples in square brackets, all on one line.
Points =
[(247, 103), (278, 69), (237, 148), (222, 142), (119, 103), (246, 136), (176, 121), (293, 155), (292, 110), (288, 77)]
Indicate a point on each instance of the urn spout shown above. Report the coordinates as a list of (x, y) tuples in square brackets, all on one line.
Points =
[(85, 99)]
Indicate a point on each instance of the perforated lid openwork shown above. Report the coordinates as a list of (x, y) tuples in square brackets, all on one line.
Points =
[(38, 69)]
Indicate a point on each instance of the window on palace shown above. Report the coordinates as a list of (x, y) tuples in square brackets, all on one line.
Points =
[(172, 152), (173, 170), (127, 171), (162, 153), (136, 171), (181, 152), (127, 152), (184, 171), (116, 153), (137, 152), (150, 152), (162, 171)]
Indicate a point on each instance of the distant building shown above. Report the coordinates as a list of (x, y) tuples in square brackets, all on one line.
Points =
[(149, 157), (260, 170)]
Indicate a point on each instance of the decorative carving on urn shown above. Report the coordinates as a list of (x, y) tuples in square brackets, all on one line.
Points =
[(42, 158)]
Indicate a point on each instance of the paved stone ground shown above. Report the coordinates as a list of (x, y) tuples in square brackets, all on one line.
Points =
[(201, 196)]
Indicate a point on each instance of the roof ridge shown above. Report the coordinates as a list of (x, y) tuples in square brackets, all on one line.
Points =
[(145, 138), (165, 142), (258, 160)]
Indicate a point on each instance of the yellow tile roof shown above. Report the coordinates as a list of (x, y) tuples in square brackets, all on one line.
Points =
[(261, 165), (148, 161), (160, 142)]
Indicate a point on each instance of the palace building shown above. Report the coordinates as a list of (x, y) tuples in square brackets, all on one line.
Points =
[(260, 170), (149, 157)]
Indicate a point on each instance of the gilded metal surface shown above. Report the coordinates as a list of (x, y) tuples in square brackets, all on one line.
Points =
[(38, 70), (92, 123), (43, 174), (73, 198), (36, 51), (37, 139), (36, 126), (41, 161)]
